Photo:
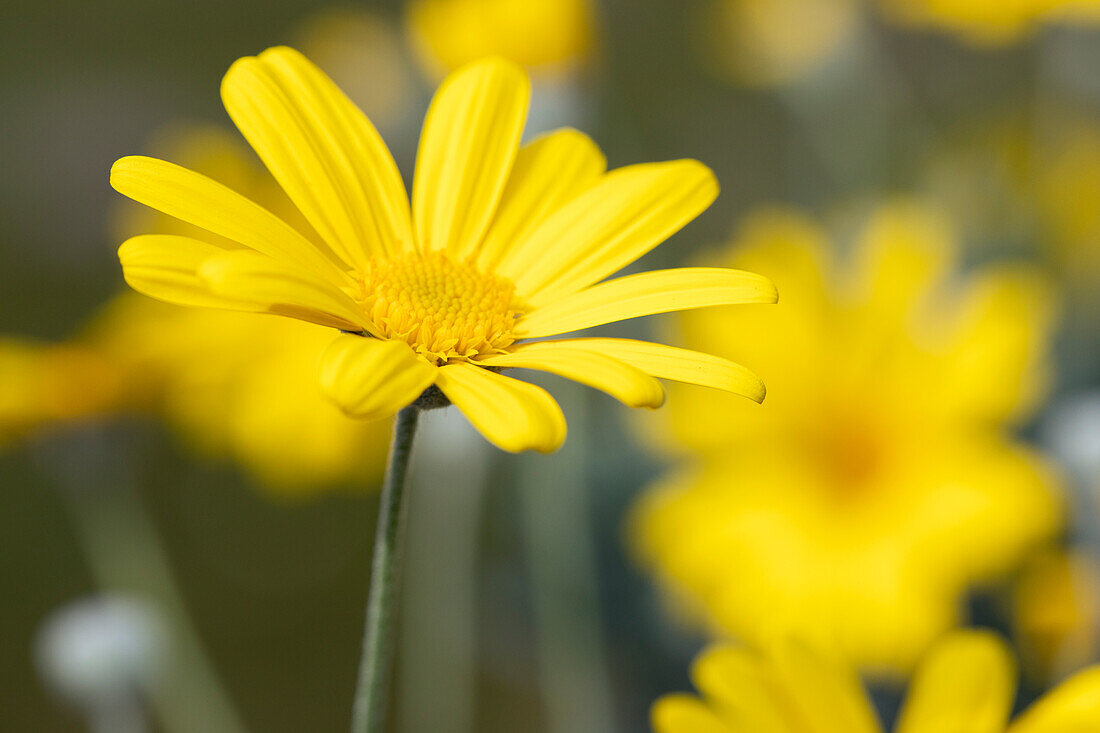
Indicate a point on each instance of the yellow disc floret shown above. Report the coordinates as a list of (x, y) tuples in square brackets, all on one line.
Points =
[(446, 310)]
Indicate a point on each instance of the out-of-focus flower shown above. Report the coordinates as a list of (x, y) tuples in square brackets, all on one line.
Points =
[(880, 480), (1056, 608), (549, 37), (990, 22), (770, 42), (96, 651), (240, 386), (44, 384), (966, 682), (502, 244)]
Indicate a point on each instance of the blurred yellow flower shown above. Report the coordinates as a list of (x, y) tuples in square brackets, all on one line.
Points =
[(242, 387), (1056, 613), (879, 481), (769, 42), (965, 683), (502, 244), (990, 22), (44, 384), (548, 37)]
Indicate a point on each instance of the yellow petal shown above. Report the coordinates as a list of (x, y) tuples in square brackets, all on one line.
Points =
[(166, 267), (822, 690), (667, 362), (198, 200), (644, 294), (685, 714), (1071, 707), (470, 138), (511, 414), (547, 173), (628, 384), (965, 684), (370, 379), (323, 151), (737, 680), (281, 289), (622, 217)]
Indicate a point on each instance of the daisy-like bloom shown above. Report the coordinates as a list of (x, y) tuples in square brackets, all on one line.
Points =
[(502, 245), (965, 684), (881, 482), (548, 37)]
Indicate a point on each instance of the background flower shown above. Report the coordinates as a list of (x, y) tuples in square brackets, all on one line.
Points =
[(882, 480), (965, 682)]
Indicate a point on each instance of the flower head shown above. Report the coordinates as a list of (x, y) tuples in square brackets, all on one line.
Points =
[(501, 244), (881, 481), (966, 682)]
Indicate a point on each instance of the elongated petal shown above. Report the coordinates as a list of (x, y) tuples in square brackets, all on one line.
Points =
[(821, 689), (626, 383), (370, 378), (207, 204), (547, 173), (965, 684), (643, 294), (323, 151), (740, 681), (1071, 707), (511, 414), (665, 362), (165, 267), (685, 714), (470, 138), (282, 289), (628, 213)]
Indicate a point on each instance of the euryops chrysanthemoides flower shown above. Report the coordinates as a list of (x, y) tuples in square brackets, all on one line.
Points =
[(502, 245)]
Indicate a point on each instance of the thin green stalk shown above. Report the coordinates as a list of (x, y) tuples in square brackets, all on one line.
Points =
[(380, 637)]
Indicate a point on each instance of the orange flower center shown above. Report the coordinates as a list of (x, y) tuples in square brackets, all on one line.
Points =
[(445, 310)]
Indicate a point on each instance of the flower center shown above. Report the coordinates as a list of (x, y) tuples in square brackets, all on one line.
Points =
[(445, 310)]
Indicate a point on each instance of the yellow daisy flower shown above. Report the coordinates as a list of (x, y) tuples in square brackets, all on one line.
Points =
[(502, 244), (881, 480), (966, 683)]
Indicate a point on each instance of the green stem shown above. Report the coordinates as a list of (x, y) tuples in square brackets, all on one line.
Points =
[(376, 664)]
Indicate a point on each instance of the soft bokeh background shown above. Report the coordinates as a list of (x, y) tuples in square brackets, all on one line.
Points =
[(137, 458)]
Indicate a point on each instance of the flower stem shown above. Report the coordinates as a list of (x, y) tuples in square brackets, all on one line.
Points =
[(380, 637)]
